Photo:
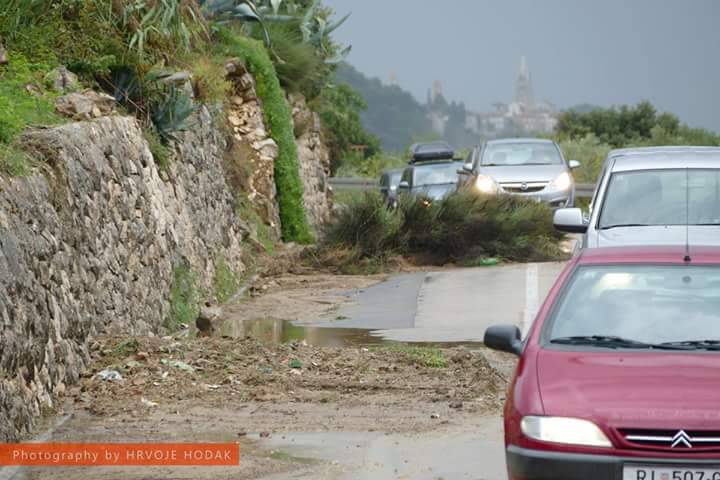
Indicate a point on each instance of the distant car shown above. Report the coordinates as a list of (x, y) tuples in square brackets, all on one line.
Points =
[(431, 180), (619, 374), (527, 167), (389, 182), (431, 151), (647, 196)]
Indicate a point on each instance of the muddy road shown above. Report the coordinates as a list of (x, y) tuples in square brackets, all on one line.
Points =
[(309, 379)]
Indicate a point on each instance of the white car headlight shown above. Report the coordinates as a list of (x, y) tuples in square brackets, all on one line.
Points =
[(569, 431), (563, 181), (485, 184)]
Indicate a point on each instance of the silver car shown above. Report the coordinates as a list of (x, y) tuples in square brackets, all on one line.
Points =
[(651, 196), (529, 167)]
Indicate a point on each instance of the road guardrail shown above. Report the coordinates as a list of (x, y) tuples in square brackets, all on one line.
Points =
[(582, 190)]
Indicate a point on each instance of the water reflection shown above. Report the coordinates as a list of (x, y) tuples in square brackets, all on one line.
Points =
[(283, 331)]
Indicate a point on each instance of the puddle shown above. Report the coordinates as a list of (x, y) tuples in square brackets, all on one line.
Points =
[(283, 331), (456, 454), (326, 335)]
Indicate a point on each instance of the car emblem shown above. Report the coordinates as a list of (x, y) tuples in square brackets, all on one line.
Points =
[(523, 186), (681, 438)]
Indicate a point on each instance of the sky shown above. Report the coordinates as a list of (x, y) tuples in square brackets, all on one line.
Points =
[(602, 52)]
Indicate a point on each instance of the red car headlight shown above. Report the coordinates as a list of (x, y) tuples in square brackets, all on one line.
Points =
[(569, 431)]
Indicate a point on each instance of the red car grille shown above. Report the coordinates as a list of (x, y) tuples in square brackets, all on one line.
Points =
[(686, 441)]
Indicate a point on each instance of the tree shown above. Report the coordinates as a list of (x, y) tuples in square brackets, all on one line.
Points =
[(340, 115), (631, 125)]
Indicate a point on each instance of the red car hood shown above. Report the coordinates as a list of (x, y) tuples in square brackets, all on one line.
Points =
[(632, 390)]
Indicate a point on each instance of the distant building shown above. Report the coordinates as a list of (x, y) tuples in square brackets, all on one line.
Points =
[(437, 105), (393, 80), (522, 115)]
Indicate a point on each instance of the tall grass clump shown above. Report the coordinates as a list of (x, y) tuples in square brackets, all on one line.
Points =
[(368, 227)]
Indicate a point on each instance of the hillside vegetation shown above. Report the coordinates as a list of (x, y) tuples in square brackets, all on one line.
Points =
[(129, 48), (589, 135)]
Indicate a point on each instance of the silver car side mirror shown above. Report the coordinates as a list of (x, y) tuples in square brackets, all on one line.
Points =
[(404, 185), (569, 220), (573, 164)]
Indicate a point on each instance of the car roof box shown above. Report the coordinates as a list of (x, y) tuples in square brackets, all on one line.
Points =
[(423, 152)]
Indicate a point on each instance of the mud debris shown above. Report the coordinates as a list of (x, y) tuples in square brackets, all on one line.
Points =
[(212, 371)]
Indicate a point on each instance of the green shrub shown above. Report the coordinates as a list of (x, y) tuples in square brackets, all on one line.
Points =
[(226, 281), (340, 108), (264, 233), (185, 297), (210, 84), (23, 100), (14, 161), (591, 154), (279, 120), (160, 152), (462, 226), (357, 165), (80, 34), (368, 226), (299, 67)]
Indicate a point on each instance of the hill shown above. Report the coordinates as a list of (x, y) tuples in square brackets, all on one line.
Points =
[(393, 114)]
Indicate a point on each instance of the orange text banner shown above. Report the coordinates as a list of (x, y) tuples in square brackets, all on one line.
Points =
[(139, 454)]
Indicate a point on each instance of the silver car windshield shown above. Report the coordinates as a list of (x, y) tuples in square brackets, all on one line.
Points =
[(509, 154), (652, 304), (662, 197)]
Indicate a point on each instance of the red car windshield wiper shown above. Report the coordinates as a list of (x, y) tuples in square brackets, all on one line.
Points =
[(696, 344), (611, 341)]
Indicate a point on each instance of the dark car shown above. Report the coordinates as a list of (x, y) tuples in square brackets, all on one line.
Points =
[(389, 182), (432, 180), (619, 376), (431, 152)]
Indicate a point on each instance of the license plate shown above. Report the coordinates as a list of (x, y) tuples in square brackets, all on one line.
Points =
[(649, 472)]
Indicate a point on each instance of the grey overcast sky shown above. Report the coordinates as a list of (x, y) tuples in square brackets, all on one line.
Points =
[(604, 52)]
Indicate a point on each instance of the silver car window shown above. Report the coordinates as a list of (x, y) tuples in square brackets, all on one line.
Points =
[(509, 154), (662, 197)]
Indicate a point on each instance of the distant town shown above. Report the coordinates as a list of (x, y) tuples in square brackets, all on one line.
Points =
[(522, 114)]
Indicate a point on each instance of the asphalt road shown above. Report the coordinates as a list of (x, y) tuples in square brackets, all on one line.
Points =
[(451, 305), (437, 307)]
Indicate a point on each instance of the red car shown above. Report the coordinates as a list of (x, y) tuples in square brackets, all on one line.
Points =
[(619, 376)]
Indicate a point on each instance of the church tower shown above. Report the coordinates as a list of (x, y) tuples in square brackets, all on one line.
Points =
[(523, 85)]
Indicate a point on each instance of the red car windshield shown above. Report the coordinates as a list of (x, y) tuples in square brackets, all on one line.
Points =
[(642, 303)]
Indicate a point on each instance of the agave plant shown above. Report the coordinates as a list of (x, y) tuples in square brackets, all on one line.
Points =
[(314, 26), (172, 112), (224, 11), (178, 20)]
